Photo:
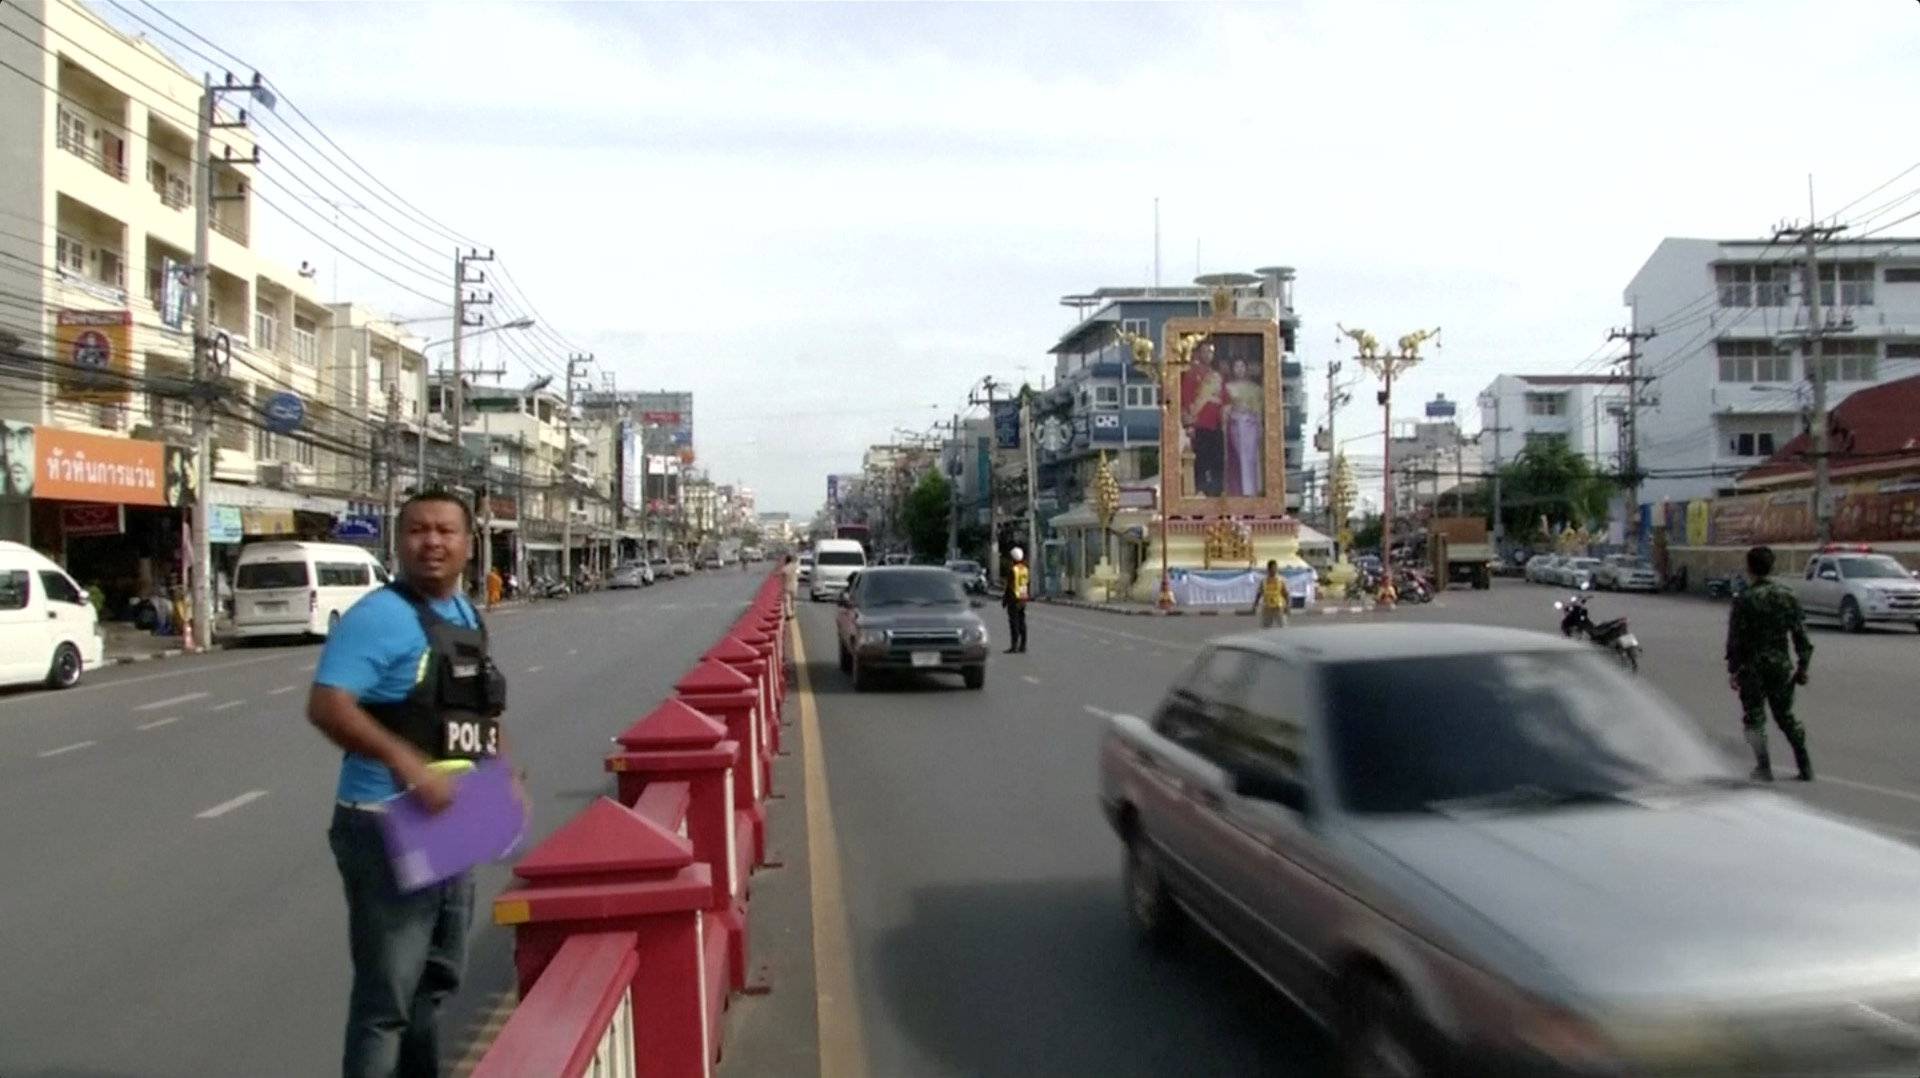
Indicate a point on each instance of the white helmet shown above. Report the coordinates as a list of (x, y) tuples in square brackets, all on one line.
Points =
[(1018, 554)]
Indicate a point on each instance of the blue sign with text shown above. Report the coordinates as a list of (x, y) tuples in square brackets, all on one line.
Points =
[(1006, 424), (284, 412), (357, 527)]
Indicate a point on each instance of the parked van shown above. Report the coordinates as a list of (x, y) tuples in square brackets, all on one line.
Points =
[(299, 589), (49, 631), (834, 563)]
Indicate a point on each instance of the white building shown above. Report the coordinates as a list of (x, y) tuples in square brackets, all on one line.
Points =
[(1581, 411), (1727, 378)]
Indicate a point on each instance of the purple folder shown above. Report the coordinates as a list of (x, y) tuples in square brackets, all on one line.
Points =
[(485, 822)]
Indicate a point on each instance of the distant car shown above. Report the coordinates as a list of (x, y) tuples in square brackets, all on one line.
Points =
[(1577, 572), (661, 569), (1544, 568), (914, 618), (713, 561), (1573, 896), (972, 576), (804, 573), (630, 575), (834, 563), (681, 567), (898, 559), (1624, 572), (1858, 586)]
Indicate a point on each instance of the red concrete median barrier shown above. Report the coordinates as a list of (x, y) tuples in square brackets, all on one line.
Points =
[(728, 695)]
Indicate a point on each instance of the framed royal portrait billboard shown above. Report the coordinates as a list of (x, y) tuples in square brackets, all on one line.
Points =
[(1223, 447)]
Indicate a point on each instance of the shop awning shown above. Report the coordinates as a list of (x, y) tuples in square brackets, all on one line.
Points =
[(247, 497)]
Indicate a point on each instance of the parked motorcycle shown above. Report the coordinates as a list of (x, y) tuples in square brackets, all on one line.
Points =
[(1412, 586), (547, 587), (1613, 635)]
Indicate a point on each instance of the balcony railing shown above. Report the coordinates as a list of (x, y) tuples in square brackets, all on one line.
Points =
[(110, 161), (174, 193), (235, 232)]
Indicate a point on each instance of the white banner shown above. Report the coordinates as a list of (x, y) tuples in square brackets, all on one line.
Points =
[(1237, 588)]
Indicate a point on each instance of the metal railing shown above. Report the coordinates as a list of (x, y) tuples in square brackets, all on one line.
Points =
[(71, 139), (235, 232)]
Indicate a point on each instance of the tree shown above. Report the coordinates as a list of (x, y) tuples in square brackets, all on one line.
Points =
[(924, 514), (1548, 479)]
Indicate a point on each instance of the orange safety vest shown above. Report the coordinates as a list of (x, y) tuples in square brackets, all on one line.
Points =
[(1020, 582), (1273, 593)]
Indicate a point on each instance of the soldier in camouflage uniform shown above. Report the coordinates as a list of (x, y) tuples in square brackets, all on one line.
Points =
[(1764, 619)]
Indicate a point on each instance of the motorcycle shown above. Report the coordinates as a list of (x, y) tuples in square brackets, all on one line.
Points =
[(1412, 586), (1613, 635), (548, 588)]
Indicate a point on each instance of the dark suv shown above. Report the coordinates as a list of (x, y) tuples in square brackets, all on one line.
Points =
[(910, 618)]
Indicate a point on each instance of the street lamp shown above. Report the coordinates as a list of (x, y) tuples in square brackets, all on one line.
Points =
[(420, 461), (1387, 365)]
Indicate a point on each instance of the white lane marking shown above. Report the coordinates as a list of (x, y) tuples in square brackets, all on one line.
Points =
[(1029, 679), (1097, 712), (189, 670), (158, 722), (535, 669), (225, 807), (172, 700), (1884, 791), (75, 747), (225, 706), (282, 690)]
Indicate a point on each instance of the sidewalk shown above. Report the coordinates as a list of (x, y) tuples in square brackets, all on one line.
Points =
[(1133, 609), (127, 644)]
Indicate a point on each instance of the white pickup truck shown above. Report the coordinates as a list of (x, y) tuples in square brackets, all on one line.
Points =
[(1858, 586)]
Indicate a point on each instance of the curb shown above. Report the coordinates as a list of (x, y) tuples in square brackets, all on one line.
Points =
[(128, 660)]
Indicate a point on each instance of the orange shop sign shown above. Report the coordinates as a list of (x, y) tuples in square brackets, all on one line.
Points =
[(76, 467)]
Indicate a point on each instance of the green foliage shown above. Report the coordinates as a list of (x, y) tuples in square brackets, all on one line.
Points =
[(923, 517), (1550, 480)]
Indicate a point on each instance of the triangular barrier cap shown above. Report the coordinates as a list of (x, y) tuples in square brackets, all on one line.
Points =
[(673, 725), (712, 675), (732, 648), (606, 838)]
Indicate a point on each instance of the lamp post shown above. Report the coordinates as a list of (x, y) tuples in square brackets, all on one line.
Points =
[(1164, 368), (1388, 365), (420, 462)]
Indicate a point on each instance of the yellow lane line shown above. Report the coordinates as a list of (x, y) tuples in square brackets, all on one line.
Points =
[(843, 1050)]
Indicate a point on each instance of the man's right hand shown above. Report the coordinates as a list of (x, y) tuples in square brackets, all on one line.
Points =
[(434, 789)]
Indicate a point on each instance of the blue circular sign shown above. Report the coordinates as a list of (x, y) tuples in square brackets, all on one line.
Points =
[(284, 412)]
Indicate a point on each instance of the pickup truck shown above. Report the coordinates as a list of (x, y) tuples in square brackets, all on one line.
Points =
[(1859, 587)]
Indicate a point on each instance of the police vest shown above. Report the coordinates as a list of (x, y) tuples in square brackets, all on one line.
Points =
[(458, 694)]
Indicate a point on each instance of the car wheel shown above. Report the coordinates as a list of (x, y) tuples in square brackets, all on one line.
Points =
[(64, 672), (846, 660), (1150, 906), (1375, 1032), (974, 676), (1850, 618)]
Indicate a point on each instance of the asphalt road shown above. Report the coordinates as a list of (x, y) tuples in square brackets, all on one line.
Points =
[(170, 905), (981, 886)]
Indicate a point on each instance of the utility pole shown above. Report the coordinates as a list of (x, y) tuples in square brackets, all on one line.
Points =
[(389, 458), (954, 471), (1810, 235), (1633, 335), (575, 363), (988, 385), (1037, 579), (461, 322), (206, 371), (1335, 398), (1493, 400)]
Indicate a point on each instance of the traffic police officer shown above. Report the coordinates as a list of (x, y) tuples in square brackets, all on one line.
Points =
[(407, 690), (1764, 619), (1019, 590)]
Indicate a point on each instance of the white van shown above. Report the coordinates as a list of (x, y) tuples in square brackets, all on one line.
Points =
[(49, 630), (299, 589), (834, 562)]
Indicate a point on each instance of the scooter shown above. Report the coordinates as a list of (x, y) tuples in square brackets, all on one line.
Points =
[(1613, 635), (1412, 586), (548, 588)]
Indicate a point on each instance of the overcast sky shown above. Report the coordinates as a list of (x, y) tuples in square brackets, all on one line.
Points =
[(828, 221)]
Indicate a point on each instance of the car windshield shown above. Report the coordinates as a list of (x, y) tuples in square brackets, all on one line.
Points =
[(1873, 567), (917, 587), (262, 575), (1414, 735), (840, 557)]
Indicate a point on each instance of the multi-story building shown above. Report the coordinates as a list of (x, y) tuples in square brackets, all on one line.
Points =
[(1111, 406), (1729, 380), (97, 134), (1583, 412)]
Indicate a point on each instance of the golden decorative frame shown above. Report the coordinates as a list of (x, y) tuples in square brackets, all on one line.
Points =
[(1180, 499)]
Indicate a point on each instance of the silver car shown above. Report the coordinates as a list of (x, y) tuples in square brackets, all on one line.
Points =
[(1541, 568), (1476, 851), (1577, 572), (1624, 572)]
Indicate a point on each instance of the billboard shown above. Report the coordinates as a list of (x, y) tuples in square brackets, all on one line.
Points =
[(632, 492), (1227, 438), (70, 466), (1006, 424), (95, 349)]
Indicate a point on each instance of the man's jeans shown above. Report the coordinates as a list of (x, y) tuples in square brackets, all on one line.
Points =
[(408, 953)]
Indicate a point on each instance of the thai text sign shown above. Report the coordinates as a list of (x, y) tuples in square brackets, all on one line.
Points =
[(71, 466)]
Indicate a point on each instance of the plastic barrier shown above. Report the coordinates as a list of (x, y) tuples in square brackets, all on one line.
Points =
[(630, 920)]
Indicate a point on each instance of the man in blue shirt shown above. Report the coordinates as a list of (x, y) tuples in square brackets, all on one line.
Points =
[(408, 949)]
